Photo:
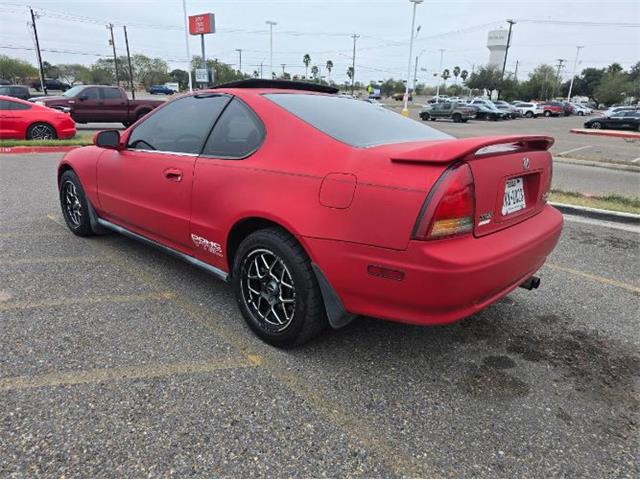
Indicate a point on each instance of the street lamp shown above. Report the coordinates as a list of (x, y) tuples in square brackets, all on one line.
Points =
[(405, 110), (415, 73), (271, 23), (573, 75)]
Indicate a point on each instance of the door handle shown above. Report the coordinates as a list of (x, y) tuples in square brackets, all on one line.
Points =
[(173, 174)]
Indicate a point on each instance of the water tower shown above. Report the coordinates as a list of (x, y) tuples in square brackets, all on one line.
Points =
[(497, 44)]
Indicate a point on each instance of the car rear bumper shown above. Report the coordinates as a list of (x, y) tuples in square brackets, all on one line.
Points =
[(66, 132), (444, 280)]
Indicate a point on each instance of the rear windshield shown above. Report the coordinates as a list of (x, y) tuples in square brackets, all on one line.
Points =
[(354, 122)]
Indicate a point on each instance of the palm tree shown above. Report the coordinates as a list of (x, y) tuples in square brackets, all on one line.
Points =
[(307, 61), (329, 67), (463, 75), (314, 71), (456, 73), (445, 74), (350, 73), (256, 74)]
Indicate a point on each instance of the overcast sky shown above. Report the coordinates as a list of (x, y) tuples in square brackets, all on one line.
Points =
[(323, 29)]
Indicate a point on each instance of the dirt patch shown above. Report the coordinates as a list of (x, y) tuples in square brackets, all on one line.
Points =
[(500, 362), (489, 381)]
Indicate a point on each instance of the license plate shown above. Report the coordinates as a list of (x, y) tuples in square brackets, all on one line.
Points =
[(513, 196)]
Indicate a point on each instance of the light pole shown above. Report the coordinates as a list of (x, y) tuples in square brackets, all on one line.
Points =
[(405, 110), (415, 73), (186, 41), (239, 50), (506, 52), (271, 23), (573, 75), (439, 74)]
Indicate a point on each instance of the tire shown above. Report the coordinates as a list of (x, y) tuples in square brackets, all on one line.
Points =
[(41, 131), (581, 114), (529, 114), (261, 255), (465, 120), (74, 205), (547, 113), (596, 125), (425, 116), (457, 117), (141, 114)]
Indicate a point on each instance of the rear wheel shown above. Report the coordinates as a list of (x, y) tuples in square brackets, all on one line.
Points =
[(424, 116), (547, 113), (75, 208), (41, 131), (529, 114), (457, 117), (276, 289), (596, 125), (581, 114)]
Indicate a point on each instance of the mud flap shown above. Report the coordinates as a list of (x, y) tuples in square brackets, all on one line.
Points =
[(336, 313)]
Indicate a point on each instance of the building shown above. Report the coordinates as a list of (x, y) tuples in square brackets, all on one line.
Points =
[(497, 45)]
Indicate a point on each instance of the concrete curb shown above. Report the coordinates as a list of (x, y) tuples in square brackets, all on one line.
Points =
[(594, 163), (598, 214), (606, 133), (23, 150)]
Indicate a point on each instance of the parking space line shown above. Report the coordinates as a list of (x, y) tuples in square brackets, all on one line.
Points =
[(36, 260), (100, 375), (33, 234), (88, 300), (596, 278), (573, 150)]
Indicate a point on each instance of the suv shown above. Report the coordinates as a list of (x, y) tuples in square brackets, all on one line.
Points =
[(552, 109), (50, 84), (529, 109), (457, 112), (16, 91), (161, 89)]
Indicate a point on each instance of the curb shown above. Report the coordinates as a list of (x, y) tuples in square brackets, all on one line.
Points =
[(595, 163), (598, 214), (606, 133), (19, 150)]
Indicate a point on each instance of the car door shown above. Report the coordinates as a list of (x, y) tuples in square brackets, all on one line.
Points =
[(114, 106), (146, 186), (85, 105), (220, 179)]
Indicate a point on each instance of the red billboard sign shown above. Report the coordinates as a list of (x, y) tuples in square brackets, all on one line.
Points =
[(202, 24)]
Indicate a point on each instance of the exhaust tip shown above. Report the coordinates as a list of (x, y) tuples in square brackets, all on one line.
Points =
[(531, 283)]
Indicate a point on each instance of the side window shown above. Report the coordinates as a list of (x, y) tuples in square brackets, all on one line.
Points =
[(237, 134), (110, 93), (9, 105), (4, 90), (90, 93), (180, 126), (5, 105)]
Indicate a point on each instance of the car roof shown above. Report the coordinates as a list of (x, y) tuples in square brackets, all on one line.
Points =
[(260, 83)]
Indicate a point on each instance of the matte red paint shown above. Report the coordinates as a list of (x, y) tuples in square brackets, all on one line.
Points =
[(16, 123), (284, 182)]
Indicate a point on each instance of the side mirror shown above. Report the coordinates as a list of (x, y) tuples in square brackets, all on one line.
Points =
[(107, 139)]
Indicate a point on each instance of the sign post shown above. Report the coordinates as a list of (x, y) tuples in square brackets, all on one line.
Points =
[(202, 25)]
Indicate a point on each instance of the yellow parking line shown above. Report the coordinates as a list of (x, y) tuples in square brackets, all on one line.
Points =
[(596, 278), (99, 375), (58, 259), (88, 300)]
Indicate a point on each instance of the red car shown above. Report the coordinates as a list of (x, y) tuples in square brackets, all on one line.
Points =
[(552, 109), (24, 120), (318, 208)]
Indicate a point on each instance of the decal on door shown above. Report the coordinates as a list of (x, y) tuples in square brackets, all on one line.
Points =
[(208, 245)]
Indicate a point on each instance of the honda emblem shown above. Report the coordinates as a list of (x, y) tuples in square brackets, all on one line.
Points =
[(525, 163)]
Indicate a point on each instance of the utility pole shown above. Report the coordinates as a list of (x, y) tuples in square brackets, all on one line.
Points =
[(271, 23), (573, 75), (515, 74), (186, 41), (439, 73), (353, 63), (126, 41), (261, 64), (115, 58), (239, 50), (506, 52), (35, 34), (283, 65), (560, 62), (405, 109)]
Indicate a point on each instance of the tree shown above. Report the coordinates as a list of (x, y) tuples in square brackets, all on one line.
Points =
[(181, 77), (50, 71), (487, 77), (314, 72), (307, 61), (456, 73), (16, 71), (445, 75), (329, 66), (74, 73), (256, 74), (463, 75), (613, 89), (149, 71), (614, 68), (350, 73)]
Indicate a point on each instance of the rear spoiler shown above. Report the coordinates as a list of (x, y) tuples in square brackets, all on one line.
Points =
[(454, 149)]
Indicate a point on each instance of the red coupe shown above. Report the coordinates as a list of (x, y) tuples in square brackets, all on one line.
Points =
[(318, 208), (25, 120)]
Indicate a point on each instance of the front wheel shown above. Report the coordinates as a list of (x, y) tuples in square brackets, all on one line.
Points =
[(457, 118), (424, 116), (596, 125), (276, 289), (547, 113), (529, 114), (75, 208)]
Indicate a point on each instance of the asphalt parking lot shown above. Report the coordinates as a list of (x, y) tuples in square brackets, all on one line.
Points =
[(119, 361)]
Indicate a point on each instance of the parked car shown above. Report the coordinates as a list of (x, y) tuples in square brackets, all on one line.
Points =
[(98, 103), (529, 109), (552, 109), (623, 108), (383, 216), (400, 97), (486, 110), (458, 112), (506, 107), (622, 120), (567, 108), (20, 119), (160, 89), (16, 91), (4, 82), (50, 84), (581, 110)]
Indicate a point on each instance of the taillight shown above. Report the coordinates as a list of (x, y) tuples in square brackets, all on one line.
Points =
[(450, 207), (547, 188)]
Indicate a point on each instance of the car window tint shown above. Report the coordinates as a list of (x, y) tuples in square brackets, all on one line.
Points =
[(90, 93), (353, 122), (110, 93), (180, 126), (9, 105), (237, 134), (4, 90)]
